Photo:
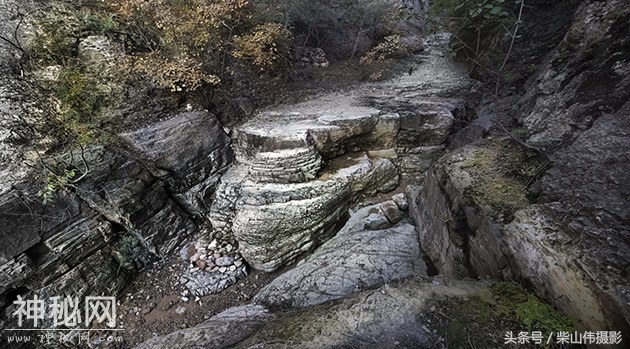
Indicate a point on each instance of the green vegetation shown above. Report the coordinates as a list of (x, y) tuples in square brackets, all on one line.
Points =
[(80, 98), (97, 67), (483, 319), (532, 312), (128, 252), (502, 172), (55, 182), (480, 27)]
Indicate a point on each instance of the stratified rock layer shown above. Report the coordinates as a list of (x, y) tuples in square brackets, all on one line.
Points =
[(95, 234), (300, 167), (356, 258)]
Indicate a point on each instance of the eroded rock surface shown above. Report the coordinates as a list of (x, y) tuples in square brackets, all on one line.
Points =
[(300, 167), (354, 259), (574, 257), (275, 222), (95, 234), (390, 316)]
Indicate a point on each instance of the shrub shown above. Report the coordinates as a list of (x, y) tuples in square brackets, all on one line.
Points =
[(266, 47), (381, 56), (479, 27), (197, 29), (343, 28), (174, 74), (390, 47)]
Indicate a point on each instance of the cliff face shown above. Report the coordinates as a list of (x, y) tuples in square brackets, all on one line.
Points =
[(130, 206), (573, 243)]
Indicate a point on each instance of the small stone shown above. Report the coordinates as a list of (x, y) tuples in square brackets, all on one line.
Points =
[(194, 257), (238, 263), (197, 299), (401, 200), (209, 269), (229, 247), (216, 255), (186, 252), (232, 267), (181, 310), (223, 269), (203, 257), (168, 306), (376, 221), (201, 264), (185, 293), (210, 265), (185, 299), (224, 261), (212, 244), (391, 211)]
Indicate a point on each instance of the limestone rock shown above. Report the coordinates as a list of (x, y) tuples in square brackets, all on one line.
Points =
[(224, 261), (221, 331), (190, 151), (564, 96), (588, 187), (580, 257), (376, 221), (352, 260), (391, 211), (268, 233), (181, 310), (401, 201), (379, 318), (119, 215), (542, 253), (301, 166), (263, 216)]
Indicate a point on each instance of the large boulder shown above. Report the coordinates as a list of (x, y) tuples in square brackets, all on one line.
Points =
[(354, 259), (275, 222), (189, 151)]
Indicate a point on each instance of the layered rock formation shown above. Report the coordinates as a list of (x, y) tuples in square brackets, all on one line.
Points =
[(96, 234), (300, 167), (572, 244), (356, 258), (549, 211)]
